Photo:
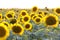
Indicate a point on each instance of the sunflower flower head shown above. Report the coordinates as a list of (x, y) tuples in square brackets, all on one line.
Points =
[(28, 26), (32, 14), (57, 11), (39, 15), (33, 18), (4, 32), (38, 20), (51, 20), (41, 12), (26, 19), (23, 13), (13, 21), (45, 13), (17, 29), (10, 14), (35, 9)]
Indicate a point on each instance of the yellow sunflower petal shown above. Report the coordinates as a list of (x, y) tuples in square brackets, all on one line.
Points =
[(5, 23), (10, 12)]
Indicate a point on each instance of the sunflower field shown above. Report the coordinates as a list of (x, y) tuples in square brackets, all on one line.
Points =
[(30, 24)]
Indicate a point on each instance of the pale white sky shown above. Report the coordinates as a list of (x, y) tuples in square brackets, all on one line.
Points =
[(29, 3)]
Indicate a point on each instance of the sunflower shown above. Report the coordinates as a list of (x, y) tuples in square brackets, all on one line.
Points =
[(23, 13), (35, 9), (5, 23), (57, 11), (0, 16), (10, 14), (13, 21), (17, 29), (51, 20), (37, 20), (4, 32), (19, 20), (41, 12), (45, 13), (39, 15), (32, 14), (33, 18), (28, 26), (26, 19)]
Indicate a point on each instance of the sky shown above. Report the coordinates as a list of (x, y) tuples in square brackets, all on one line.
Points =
[(29, 3)]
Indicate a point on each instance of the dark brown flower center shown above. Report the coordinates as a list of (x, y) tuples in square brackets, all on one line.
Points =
[(6, 24), (27, 26), (32, 15), (16, 29), (13, 21), (40, 16), (23, 13), (9, 16), (45, 13), (25, 18), (58, 10), (34, 9), (50, 20), (37, 20), (40, 12), (2, 32)]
